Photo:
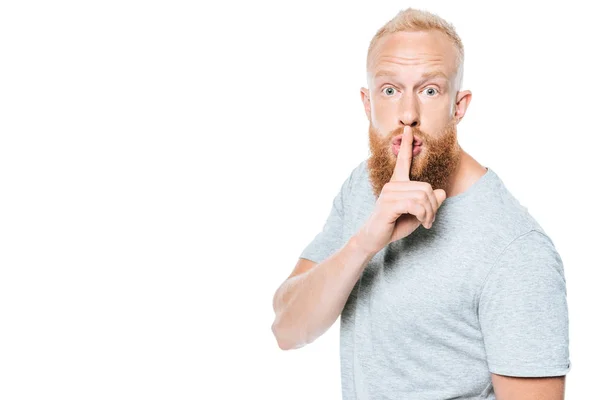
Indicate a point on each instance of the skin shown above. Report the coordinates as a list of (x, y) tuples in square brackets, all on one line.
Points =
[(432, 110)]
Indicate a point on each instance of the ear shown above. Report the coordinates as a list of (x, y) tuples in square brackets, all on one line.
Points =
[(462, 103), (364, 95)]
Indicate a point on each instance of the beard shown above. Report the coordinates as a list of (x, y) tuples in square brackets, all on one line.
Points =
[(435, 164)]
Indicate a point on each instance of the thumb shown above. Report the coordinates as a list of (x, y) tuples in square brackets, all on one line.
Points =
[(440, 195)]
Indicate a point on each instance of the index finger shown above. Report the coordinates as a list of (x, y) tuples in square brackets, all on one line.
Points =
[(404, 159)]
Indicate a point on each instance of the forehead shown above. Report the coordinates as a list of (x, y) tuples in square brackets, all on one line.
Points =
[(430, 49)]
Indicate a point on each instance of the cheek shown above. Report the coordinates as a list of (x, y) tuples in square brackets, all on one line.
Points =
[(434, 125), (441, 111), (384, 122), (382, 114)]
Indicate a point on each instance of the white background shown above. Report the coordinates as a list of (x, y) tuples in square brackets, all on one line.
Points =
[(163, 164)]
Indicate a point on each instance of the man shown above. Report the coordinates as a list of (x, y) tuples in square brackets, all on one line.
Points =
[(446, 286)]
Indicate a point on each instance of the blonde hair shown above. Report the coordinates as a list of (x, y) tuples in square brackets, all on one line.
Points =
[(413, 20)]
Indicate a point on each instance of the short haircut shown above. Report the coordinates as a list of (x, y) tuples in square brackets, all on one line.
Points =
[(415, 20)]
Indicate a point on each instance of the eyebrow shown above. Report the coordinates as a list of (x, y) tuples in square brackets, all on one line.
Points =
[(436, 73)]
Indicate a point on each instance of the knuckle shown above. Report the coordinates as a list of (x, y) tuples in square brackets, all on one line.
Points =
[(412, 203), (426, 186)]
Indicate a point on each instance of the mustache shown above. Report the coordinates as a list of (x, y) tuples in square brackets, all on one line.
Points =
[(415, 131), (426, 138)]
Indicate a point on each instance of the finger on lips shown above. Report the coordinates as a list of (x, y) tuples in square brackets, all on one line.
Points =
[(404, 159), (428, 207)]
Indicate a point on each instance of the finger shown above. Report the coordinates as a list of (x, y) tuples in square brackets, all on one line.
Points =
[(404, 159), (434, 203), (440, 196), (430, 211), (419, 196), (417, 186), (410, 206), (426, 188)]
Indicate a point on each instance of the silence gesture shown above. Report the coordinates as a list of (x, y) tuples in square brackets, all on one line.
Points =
[(403, 204)]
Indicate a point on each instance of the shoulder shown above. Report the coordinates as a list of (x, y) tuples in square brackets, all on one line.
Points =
[(356, 175), (360, 169), (529, 264), (505, 212)]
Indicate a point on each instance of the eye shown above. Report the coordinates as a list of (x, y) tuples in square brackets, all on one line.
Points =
[(389, 90), (428, 91)]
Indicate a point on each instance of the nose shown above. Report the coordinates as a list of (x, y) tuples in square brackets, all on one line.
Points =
[(409, 112)]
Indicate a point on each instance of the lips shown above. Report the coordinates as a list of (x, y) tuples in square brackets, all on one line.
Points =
[(398, 139), (396, 149)]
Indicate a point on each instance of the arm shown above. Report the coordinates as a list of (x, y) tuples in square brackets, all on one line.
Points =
[(312, 298), (523, 315), (515, 388)]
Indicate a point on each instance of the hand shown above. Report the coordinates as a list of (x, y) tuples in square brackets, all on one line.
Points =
[(402, 206)]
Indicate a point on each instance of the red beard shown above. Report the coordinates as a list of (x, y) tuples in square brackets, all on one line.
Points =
[(438, 159)]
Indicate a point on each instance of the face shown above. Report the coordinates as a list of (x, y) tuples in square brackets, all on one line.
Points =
[(412, 83)]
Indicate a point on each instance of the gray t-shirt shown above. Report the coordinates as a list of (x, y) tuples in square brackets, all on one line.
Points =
[(434, 313)]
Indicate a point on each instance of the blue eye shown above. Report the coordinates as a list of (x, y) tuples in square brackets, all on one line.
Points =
[(390, 91), (387, 90)]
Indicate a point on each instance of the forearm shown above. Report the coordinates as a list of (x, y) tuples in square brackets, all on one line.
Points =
[(308, 304)]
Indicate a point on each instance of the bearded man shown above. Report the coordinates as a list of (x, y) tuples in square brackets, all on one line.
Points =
[(446, 286)]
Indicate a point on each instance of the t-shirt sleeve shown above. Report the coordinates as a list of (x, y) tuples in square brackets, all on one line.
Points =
[(330, 239), (523, 310)]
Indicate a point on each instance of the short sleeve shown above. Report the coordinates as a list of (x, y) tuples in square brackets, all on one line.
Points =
[(523, 310), (330, 239)]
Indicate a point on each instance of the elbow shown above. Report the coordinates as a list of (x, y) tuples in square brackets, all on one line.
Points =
[(283, 344), (284, 339)]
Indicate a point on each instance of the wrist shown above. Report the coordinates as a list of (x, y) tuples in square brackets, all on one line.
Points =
[(359, 244)]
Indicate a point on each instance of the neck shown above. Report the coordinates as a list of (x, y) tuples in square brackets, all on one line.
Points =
[(467, 172)]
